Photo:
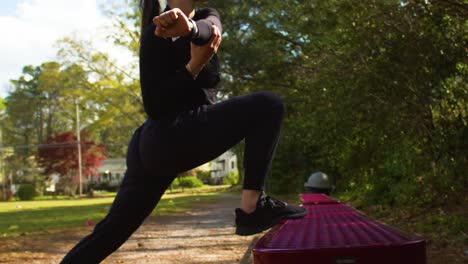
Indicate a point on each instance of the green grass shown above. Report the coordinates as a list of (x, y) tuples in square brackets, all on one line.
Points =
[(204, 188), (67, 197), (21, 217), (176, 204)]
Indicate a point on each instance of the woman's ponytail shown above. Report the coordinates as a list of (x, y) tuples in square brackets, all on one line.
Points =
[(149, 9)]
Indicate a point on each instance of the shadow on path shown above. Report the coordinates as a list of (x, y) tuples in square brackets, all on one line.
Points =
[(204, 234)]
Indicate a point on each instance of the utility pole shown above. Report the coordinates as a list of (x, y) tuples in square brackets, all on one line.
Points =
[(79, 146)]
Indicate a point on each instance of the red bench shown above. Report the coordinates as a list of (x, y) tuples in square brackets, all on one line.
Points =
[(335, 233)]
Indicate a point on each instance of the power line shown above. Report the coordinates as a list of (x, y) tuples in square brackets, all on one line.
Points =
[(68, 144)]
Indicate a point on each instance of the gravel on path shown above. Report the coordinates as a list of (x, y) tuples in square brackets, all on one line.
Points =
[(203, 234)]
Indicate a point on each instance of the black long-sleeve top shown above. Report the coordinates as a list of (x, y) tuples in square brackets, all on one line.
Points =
[(166, 85)]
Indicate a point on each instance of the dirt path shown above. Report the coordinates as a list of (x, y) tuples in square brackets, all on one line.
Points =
[(201, 235), (198, 236)]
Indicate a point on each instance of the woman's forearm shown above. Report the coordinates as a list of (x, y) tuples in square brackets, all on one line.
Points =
[(211, 17), (194, 68)]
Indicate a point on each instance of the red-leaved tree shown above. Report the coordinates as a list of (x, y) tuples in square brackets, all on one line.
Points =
[(60, 155)]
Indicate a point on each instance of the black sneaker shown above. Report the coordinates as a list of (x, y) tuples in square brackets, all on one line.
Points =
[(269, 212)]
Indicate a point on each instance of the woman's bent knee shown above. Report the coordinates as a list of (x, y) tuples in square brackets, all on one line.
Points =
[(270, 100)]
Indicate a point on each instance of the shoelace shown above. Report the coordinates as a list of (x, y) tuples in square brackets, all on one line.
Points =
[(273, 202)]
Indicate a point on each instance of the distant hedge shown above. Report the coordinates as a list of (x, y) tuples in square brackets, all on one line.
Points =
[(26, 192), (190, 182)]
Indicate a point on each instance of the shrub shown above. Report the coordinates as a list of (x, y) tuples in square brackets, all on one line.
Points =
[(26, 192), (175, 184), (232, 179), (204, 176), (105, 186), (190, 182)]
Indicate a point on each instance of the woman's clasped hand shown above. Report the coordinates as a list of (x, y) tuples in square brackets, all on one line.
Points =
[(172, 23)]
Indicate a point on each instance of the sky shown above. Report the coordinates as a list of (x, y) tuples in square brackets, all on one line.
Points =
[(30, 28)]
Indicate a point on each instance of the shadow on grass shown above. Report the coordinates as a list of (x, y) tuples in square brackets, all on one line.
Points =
[(32, 220)]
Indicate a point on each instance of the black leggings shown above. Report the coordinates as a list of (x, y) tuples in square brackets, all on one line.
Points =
[(159, 150)]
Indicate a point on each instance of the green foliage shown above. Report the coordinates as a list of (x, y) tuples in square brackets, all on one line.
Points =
[(175, 184), (232, 178), (453, 224), (204, 176), (2, 104), (375, 92), (189, 182), (26, 192), (115, 93), (443, 225)]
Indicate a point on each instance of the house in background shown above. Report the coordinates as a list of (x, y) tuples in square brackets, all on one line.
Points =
[(222, 166), (51, 182), (112, 171)]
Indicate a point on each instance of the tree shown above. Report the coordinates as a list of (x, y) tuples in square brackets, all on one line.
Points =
[(39, 106), (375, 91), (2, 104), (115, 93), (60, 155)]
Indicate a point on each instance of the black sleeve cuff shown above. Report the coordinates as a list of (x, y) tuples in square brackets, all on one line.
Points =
[(204, 32)]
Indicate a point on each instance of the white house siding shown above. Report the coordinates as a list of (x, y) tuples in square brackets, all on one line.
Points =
[(223, 165)]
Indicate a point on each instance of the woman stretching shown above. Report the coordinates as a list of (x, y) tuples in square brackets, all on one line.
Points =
[(186, 128)]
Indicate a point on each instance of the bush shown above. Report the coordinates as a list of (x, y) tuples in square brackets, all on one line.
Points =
[(26, 192), (175, 184), (105, 186), (190, 182), (204, 176), (232, 179)]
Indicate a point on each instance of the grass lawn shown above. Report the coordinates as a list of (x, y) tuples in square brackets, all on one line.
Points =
[(19, 217)]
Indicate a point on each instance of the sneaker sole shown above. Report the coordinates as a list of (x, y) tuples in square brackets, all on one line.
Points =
[(249, 230)]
